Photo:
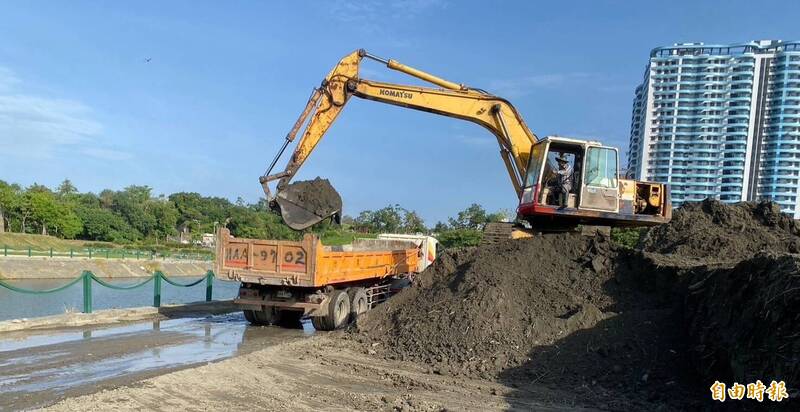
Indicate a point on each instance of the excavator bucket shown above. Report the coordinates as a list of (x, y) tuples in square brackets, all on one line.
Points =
[(304, 203)]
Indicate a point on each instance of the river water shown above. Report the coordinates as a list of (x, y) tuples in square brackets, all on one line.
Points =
[(38, 368), (15, 305)]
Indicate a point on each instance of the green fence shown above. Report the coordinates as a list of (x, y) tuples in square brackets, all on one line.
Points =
[(88, 278), (93, 253)]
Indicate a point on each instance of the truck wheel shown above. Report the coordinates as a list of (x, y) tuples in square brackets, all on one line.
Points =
[(338, 312), (358, 302), (250, 316)]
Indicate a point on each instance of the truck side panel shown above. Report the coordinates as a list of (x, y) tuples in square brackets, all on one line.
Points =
[(341, 267)]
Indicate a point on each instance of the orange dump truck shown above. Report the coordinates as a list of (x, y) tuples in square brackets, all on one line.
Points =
[(281, 281)]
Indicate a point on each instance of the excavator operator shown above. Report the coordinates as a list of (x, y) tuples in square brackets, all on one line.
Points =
[(563, 180)]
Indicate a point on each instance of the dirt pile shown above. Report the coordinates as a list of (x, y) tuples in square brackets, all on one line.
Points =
[(479, 311), (542, 311), (744, 322), (713, 230), (316, 196), (624, 329)]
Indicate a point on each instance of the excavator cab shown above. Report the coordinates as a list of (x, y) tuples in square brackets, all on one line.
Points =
[(571, 181)]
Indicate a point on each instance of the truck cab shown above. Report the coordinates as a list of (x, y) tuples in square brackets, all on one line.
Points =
[(575, 181)]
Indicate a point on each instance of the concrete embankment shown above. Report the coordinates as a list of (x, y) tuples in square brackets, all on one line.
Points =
[(112, 316), (18, 267)]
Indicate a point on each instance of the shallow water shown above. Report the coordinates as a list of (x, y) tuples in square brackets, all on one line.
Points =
[(15, 305), (39, 368)]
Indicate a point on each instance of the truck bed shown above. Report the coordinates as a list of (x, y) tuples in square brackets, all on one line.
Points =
[(308, 263)]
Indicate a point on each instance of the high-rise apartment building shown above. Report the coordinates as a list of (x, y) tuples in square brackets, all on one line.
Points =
[(720, 121)]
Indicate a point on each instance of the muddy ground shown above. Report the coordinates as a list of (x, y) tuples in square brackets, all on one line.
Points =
[(316, 374)]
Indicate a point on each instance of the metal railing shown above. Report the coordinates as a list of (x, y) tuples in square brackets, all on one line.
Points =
[(88, 278), (96, 253)]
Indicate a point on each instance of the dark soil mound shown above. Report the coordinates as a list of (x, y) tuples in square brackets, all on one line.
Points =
[(744, 322), (480, 311), (623, 329), (713, 230), (316, 196), (543, 311)]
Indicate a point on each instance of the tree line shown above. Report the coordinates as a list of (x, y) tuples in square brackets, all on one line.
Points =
[(465, 229), (135, 214), (130, 215)]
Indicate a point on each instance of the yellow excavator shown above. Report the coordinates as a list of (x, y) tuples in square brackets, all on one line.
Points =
[(559, 181)]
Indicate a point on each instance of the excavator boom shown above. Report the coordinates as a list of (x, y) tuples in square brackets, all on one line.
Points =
[(452, 99)]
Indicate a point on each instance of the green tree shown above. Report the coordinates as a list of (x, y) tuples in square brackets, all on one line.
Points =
[(132, 204), (473, 217), (460, 237), (199, 213), (166, 216), (10, 199), (413, 223), (440, 227), (69, 225), (499, 216), (50, 215), (104, 225), (388, 220), (106, 198), (364, 222), (66, 188), (42, 207)]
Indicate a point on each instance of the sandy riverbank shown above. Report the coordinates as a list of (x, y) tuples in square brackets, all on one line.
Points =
[(316, 374)]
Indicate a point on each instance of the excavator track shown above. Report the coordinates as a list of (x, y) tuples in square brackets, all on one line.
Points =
[(496, 232)]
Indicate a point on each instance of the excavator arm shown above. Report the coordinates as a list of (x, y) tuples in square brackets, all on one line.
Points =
[(451, 99)]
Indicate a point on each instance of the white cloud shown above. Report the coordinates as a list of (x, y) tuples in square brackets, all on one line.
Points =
[(33, 126), (526, 85)]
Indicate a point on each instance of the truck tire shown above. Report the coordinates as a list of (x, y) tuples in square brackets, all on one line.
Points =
[(358, 302), (250, 316), (338, 312)]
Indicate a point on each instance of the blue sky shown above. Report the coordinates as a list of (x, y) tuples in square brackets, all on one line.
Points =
[(226, 81)]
